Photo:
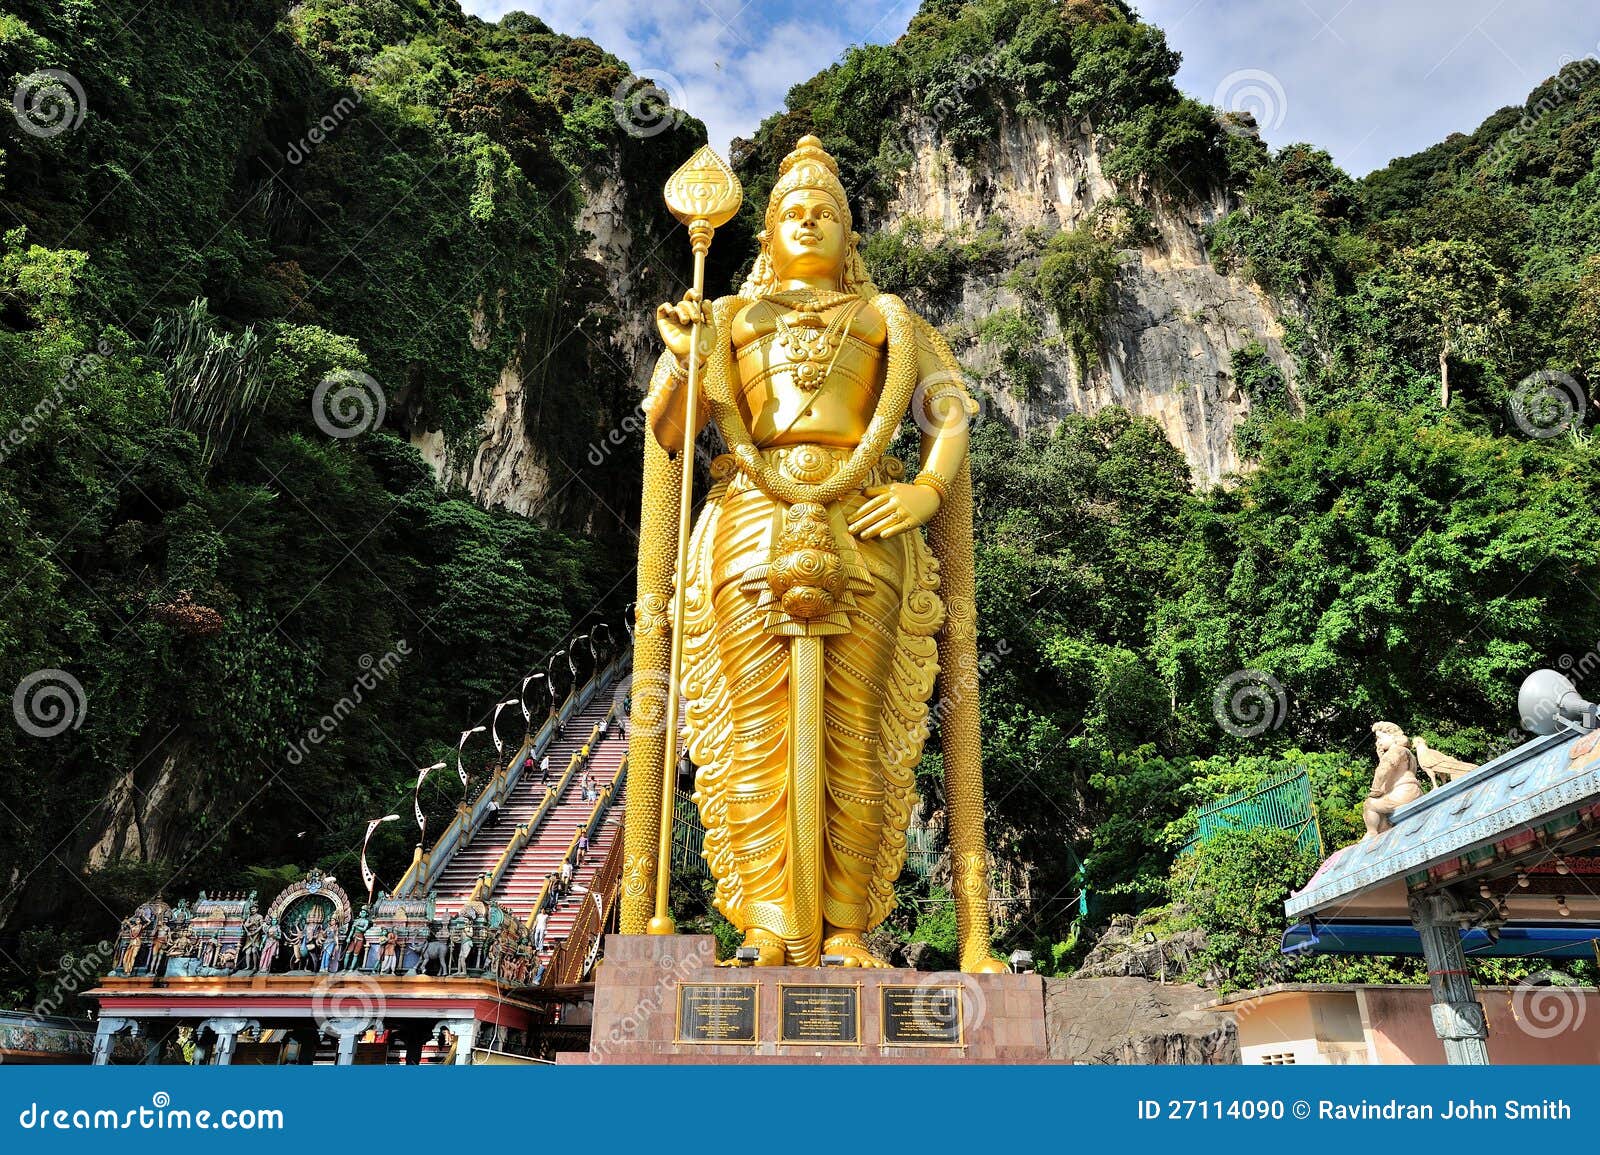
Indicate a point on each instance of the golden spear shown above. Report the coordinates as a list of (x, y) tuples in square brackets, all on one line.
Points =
[(704, 195)]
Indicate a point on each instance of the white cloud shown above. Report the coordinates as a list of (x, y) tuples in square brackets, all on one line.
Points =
[(733, 62)]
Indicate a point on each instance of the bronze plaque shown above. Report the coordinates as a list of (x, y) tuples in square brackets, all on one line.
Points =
[(716, 1013), (819, 1014), (922, 1016)]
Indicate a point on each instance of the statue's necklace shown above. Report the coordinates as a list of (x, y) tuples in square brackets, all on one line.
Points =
[(813, 345)]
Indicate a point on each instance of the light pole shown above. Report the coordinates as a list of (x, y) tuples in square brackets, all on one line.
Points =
[(461, 771), (366, 871), (627, 619), (550, 671), (522, 698), (494, 727), (572, 657), (416, 800)]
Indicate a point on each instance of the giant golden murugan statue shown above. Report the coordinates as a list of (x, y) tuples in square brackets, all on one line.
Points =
[(817, 620)]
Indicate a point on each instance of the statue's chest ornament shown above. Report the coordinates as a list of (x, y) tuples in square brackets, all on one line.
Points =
[(812, 343)]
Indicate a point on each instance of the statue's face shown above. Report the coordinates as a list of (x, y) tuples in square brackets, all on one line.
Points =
[(809, 238)]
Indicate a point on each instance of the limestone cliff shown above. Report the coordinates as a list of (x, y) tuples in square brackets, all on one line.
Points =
[(1164, 348)]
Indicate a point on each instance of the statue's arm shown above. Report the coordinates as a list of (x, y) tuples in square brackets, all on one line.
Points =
[(667, 402), (942, 407)]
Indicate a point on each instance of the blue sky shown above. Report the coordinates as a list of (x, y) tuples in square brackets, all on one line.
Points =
[(1366, 79)]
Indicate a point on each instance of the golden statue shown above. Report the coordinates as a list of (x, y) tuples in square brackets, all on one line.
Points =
[(815, 618)]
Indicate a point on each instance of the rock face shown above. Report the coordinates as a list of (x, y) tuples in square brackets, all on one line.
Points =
[(1121, 952), (607, 326), (1165, 349), (1128, 1020)]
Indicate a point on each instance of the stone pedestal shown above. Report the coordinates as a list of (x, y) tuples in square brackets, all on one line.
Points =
[(895, 1016)]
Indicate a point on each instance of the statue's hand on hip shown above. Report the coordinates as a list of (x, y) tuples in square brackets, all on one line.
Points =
[(893, 509)]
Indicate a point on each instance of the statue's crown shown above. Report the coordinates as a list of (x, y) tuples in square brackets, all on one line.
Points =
[(809, 166)]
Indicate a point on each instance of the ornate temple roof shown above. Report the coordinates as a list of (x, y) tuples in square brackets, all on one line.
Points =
[(1505, 807)]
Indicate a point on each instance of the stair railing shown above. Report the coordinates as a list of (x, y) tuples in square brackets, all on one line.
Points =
[(571, 955), (427, 866), (592, 825)]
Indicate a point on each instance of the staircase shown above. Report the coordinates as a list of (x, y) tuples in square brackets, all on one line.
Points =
[(548, 846), (550, 837), (565, 914)]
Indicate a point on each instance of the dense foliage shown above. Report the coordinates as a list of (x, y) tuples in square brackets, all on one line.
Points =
[(262, 199), (1467, 275)]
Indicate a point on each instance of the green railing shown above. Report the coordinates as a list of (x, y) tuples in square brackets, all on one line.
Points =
[(688, 837), (1284, 802)]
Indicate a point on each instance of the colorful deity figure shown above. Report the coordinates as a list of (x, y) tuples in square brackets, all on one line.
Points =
[(133, 947), (817, 615), (271, 941), (389, 956), (355, 946), (331, 944)]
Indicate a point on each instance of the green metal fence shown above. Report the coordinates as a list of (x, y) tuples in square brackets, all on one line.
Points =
[(1284, 802), (688, 838)]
